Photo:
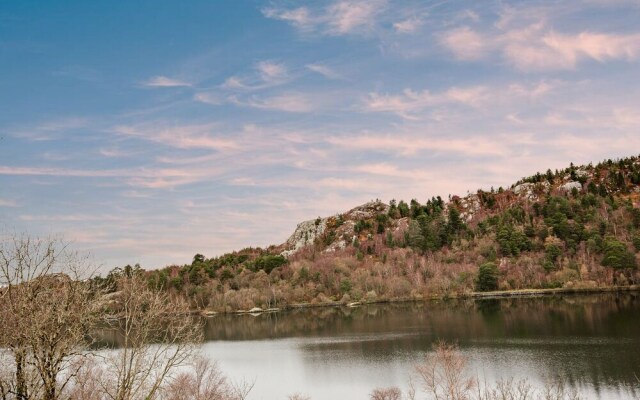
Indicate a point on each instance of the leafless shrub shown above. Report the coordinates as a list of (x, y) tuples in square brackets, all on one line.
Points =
[(298, 396), (390, 393), (444, 374), (204, 382), (507, 389), (557, 390)]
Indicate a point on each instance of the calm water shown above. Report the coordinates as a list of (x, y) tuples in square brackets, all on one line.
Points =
[(593, 342)]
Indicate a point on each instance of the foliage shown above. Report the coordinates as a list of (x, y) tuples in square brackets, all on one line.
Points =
[(487, 277), (432, 248), (616, 255)]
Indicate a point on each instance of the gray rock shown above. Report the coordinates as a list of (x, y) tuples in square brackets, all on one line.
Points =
[(569, 186), (523, 188), (305, 234)]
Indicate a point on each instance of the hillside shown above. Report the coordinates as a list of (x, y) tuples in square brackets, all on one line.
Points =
[(574, 228)]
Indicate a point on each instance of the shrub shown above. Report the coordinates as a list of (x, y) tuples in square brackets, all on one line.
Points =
[(487, 277), (345, 286)]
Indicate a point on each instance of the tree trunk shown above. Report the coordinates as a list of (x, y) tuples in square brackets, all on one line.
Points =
[(21, 382)]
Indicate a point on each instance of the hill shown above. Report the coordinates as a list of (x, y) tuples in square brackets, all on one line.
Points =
[(573, 228)]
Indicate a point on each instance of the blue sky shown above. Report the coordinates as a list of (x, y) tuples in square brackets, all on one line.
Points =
[(150, 131)]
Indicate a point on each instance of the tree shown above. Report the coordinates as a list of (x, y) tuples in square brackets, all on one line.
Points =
[(51, 312), (157, 335), (487, 277), (48, 312), (616, 255)]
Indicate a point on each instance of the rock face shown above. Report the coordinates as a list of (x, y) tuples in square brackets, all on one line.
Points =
[(305, 234), (470, 206), (569, 186), (341, 226), (367, 210)]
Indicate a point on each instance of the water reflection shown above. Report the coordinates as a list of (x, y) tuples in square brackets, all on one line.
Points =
[(591, 341)]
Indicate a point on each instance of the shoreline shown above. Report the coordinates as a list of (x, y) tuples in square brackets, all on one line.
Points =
[(519, 293)]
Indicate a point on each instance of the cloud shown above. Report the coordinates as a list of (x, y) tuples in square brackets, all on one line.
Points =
[(208, 98), (346, 16), (339, 18), (288, 102), (323, 70), (152, 178), (409, 25), (298, 17), (165, 82), (531, 91), (536, 47), (179, 136), (271, 71), (114, 152), (234, 82), (50, 130), (409, 145), (8, 203), (465, 43), (268, 74), (409, 102)]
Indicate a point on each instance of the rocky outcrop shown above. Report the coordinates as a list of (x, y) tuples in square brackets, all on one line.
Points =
[(341, 228), (305, 234), (569, 186), (531, 191), (470, 205), (367, 210)]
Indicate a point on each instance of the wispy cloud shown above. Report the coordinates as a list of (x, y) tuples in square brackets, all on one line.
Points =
[(339, 18), (299, 17), (465, 43), (49, 130), (323, 70), (153, 178), (267, 74), (8, 203), (409, 102), (165, 82), (209, 98), (536, 47), (287, 102), (271, 71), (178, 136), (409, 25), (114, 152), (347, 16), (409, 145)]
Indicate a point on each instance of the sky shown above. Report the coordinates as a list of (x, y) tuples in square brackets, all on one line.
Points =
[(149, 131)]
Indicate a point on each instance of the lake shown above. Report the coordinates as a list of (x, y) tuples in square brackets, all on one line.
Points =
[(590, 341)]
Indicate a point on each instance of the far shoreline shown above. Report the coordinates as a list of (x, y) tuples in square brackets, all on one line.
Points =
[(501, 294)]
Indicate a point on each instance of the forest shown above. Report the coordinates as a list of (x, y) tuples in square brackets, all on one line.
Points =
[(575, 228)]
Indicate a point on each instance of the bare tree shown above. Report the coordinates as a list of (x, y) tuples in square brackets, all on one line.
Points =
[(205, 382), (47, 310), (298, 396), (444, 374), (390, 393), (158, 334)]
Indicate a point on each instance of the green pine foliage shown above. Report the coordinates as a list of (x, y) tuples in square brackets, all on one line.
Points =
[(487, 277)]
